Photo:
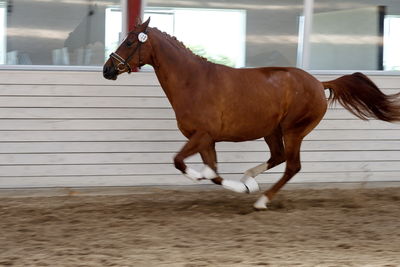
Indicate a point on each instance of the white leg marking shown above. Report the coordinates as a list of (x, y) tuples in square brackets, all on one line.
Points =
[(235, 186), (208, 173), (251, 184), (193, 174), (261, 203), (253, 172)]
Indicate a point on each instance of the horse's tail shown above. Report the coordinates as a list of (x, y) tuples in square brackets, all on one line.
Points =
[(358, 94)]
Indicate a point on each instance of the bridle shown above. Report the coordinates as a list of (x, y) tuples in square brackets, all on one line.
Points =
[(123, 64)]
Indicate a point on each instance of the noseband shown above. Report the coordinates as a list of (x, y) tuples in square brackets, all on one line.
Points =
[(123, 64)]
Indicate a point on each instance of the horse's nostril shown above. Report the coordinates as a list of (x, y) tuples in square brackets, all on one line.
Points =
[(110, 73), (106, 69)]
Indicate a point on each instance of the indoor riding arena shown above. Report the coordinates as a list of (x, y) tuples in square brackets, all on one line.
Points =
[(98, 166)]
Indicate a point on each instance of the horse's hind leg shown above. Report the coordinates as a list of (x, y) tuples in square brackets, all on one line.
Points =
[(277, 150), (292, 153), (275, 144)]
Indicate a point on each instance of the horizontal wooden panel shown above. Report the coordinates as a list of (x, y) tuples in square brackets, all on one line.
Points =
[(120, 113), (87, 113), (79, 90), (75, 77), (90, 102), (141, 78), (105, 90), (166, 157), (160, 169), (343, 134), (158, 124), (356, 125), (177, 179), (117, 113), (89, 136), (135, 135), (174, 146), (123, 124), (83, 102)]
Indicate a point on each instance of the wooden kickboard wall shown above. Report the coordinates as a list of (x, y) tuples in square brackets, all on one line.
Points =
[(76, 129)]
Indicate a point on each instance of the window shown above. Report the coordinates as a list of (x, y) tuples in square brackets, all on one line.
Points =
[(391, 51), (63, 32), (222, 43), (237, 33), (355, 35)]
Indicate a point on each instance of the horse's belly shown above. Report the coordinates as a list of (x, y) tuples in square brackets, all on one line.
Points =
[(245, 128)]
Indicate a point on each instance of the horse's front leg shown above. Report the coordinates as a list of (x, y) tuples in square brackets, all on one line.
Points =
[(200, 141), (203, 143)]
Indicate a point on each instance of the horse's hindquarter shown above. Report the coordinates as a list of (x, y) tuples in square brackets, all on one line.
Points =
[(308, 103)]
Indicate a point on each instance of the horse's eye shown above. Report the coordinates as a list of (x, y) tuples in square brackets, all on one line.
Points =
[(128, 43)]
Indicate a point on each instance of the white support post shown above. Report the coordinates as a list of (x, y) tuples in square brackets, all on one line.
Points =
[(305, 35), (124, 10)]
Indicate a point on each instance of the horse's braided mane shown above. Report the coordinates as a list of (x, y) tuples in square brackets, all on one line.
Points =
[(179, 44)]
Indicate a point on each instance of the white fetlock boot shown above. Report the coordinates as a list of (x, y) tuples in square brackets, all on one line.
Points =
[(251, 184), (208, 173), (235, 186), (192, 174)]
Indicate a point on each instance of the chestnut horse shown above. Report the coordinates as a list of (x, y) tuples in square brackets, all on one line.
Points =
[(215, 103)]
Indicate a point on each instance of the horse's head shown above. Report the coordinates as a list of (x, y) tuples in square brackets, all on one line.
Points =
[(132, 53)]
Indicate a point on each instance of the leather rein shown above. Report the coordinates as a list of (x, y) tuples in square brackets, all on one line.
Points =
[(123, 64)]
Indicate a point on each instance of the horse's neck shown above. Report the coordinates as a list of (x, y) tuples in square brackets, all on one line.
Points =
[(175, 67)]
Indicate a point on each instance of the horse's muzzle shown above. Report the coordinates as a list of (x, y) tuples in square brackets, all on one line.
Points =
[(110, 72)]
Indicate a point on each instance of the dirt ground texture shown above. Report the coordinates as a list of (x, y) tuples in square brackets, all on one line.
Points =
[(164, 227)]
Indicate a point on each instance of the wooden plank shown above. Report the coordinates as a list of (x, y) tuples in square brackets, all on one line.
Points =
[(79, 90), (83, 102), (111, 124), (106, 90), (166, 124), (165, 136), (174, 146), (357, 125), (161, 169), (166, 157), (344, 134), (89, 136), (120, 113), (75, 77), (141, 78), (70, 107), (176, 179), (87, 113)]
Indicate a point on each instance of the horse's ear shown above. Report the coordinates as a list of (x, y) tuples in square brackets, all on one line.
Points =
[(145, 24), (138, 21)]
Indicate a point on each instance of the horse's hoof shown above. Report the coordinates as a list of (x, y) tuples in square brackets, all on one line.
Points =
[(261, 203), (251, 184)]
